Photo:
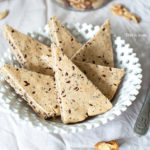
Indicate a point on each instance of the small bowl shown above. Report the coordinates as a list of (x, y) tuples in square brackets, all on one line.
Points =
[(125, 58), (80, 5)]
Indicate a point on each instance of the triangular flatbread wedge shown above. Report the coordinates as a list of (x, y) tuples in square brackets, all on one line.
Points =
[(28, 51), (63, 38), (107, 79), (79, 98), (37, 89), (98, 50)]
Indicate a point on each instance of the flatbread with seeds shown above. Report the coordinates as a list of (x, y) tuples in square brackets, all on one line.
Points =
[(98, 50), (63, 38), (107, 79), (28, 51), (37, 89), (78, 97)]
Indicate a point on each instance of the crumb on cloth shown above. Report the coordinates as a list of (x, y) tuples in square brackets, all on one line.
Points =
[(119, 10), (3, 14), (109, 145)]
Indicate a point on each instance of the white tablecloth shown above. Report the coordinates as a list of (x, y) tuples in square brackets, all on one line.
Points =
[(28, 15)]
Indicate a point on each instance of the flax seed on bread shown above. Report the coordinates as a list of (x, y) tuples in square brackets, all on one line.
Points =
[(37, 89)]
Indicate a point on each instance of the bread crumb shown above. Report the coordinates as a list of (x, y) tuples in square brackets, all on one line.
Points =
[(110, 145), (119, 10), (3, 14)]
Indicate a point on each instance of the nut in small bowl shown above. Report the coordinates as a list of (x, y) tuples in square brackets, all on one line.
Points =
[(81, 5)]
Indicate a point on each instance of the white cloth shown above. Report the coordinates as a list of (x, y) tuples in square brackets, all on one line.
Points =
[(28, 15)]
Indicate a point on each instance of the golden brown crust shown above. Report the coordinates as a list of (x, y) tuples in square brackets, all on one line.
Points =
[(105, 145)]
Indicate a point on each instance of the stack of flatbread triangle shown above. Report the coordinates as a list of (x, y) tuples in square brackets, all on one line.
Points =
[(68, 79)]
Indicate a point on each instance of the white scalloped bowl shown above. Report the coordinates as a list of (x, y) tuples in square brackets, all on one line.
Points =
[(124, 58)]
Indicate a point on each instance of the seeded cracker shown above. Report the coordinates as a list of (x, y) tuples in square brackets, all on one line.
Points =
[(28, 51), (63, 38), (37, 89), (98, 50), (107, 79), (78, 97)]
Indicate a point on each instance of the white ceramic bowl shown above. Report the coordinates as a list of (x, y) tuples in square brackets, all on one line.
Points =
[(125, 58)]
